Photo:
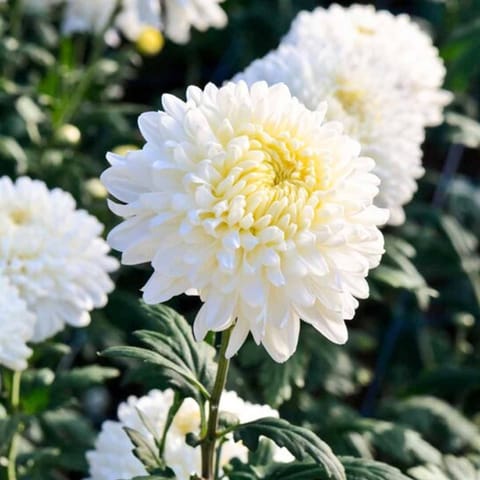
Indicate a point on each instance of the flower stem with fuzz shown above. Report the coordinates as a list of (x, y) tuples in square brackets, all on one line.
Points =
[(14, 404), (210, 439)]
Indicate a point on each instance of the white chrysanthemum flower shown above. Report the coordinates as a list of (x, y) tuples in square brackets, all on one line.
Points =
[(181, 15), (395, 43), (16, 328), (247, 198), (87, 15), (365, 100), (52, 254), (137, 16), (113, 459)]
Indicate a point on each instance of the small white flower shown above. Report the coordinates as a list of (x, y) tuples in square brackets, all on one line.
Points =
[(113, 459), (181, 15), (395, 44), (136, 16), (247, 198), (87, 15), (52, 254), (367, 102), (16, 328)]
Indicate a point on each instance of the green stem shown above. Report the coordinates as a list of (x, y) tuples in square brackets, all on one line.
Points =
[(210, 439), (14, 404)]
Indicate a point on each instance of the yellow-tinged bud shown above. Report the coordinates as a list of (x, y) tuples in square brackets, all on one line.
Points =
[(68, 134), (150, 41), (95, 188), (124, 149)]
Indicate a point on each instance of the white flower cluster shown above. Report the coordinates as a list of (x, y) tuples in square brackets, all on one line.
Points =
[(381, 77), (249, 199), (137, 16), (113, 459), (53, 266)]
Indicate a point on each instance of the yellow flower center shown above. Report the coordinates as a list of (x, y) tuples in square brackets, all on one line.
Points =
[(187, 421), (364, 30), (351, 97), (19, 216), (150, 41)]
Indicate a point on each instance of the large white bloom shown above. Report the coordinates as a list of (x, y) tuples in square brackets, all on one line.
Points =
[(113, 459), (181, 15), (87, 15), (395, 43), (52, 254), (16, 328), (247, 198), (365, 99)]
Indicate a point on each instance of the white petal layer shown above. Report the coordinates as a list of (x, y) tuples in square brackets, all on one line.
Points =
[(245, 196), (53, 255), (113, 459), (16, 328)]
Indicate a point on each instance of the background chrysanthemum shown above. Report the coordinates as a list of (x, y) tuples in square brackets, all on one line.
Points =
[(52, 254), (395, 44), (16, 328), (364, 97), (247, 198), (174, 17), (181, 15), (113, 459)]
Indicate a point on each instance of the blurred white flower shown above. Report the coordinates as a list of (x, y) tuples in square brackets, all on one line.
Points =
[(395, 44), (53, 255), (365, 99), (136, 16), (113, 459), (87, 15), (247, 198), (16, 328), (180, 15)]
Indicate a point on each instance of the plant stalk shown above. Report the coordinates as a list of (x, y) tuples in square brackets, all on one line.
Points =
[(210, 439), (14, 404)]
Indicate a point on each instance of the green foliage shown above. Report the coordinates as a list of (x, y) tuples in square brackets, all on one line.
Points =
[(302, 443), (437, 421), (184, 364)]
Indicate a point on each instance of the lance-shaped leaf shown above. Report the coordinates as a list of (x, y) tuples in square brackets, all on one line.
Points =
[(145, 452), (302, 443), (179, 360), (355, 469)]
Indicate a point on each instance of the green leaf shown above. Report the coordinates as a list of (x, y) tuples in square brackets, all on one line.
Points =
[(447, 380), (81, 378), (440, 424), (183, 363), (302, 443), (147, 454), (365, 469), (8, 427), (355, 469), (465, 244), (398, 271), (454, 468), (278, 380)]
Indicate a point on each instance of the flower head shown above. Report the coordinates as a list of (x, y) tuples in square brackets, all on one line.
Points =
[(87, 15), (52, 254), (394, 44), (181, 15), (247, 198), (365, 99), (113, 458), (16, 327)]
